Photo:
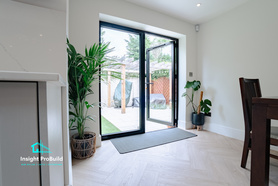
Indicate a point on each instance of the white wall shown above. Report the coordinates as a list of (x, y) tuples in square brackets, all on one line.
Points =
[(21, 46), (84, 30), (23, 49), (243, 43)]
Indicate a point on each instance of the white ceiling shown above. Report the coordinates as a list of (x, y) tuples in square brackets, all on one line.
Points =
[(185, 10), (188, 11)]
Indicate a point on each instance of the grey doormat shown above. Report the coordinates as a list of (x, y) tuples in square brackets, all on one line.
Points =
[(149, 139)]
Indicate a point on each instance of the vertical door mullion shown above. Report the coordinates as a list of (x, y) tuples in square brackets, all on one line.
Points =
[(173, 83), (148, 83), (176, 81), (142, 82)]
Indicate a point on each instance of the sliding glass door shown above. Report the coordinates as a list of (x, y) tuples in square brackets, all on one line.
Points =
[(125, 101)]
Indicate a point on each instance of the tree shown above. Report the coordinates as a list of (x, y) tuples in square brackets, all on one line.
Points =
[(164, 58), (156, 55), (133, 46)]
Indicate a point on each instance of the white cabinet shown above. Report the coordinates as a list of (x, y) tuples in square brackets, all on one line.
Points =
[(31, 141)]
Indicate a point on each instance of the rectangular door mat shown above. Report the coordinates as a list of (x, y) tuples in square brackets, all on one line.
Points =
[(150, 139)]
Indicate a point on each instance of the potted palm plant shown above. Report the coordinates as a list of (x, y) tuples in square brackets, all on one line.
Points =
[(203, 107), (83, 70)]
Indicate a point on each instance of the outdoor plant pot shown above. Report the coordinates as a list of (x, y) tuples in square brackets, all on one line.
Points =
[(198, 119), (83, 148)]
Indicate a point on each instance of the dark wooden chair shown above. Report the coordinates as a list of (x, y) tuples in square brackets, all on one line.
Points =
[(251, 88)]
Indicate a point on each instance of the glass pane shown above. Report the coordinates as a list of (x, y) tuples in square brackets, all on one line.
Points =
[(161, 83), (120, 98)]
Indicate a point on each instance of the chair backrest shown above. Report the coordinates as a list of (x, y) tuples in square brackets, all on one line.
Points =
[(249, 88)]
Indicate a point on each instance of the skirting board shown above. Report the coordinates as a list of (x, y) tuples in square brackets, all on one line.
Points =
[(223, 130), (98, 141), (181, 124)]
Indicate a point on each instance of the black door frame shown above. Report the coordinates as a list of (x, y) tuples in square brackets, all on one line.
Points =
[(142, 76)]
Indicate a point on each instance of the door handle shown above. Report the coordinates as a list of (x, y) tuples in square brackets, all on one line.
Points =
[(148, 83)]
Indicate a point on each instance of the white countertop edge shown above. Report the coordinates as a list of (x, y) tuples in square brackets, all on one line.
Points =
[(32, 76)]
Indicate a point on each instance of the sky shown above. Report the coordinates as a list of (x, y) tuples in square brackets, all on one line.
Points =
[(117, 40)]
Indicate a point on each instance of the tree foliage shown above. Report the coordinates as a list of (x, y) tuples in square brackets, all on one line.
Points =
[(156, 55), (133, 47)]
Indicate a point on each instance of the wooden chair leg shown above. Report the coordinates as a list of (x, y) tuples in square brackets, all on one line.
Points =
[(245, 153)]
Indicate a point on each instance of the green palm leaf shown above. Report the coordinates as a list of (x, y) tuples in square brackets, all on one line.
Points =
[(83, 70)]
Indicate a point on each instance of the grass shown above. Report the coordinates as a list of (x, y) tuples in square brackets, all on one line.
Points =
[(107, 127)]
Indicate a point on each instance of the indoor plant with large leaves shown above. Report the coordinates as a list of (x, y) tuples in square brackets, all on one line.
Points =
[(83, 71), (203, 106)]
